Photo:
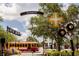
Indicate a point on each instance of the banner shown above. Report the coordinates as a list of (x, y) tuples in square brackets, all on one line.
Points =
[(31, 12)]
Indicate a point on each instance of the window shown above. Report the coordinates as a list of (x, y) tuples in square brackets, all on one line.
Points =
[(25, 45), (37, 45), (16, 45), (11, 45), (20, 45), (7, 45), (33, 45)]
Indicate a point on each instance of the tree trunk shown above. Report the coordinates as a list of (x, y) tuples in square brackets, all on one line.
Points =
[(59, 48)]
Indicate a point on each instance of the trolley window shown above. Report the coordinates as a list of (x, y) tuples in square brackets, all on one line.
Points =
[(20, 45), (25, 45), (6, 44), (32, 44), (11, 45), (16, 45)]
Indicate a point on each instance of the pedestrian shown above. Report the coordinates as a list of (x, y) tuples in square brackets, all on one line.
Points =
[(12, 50)]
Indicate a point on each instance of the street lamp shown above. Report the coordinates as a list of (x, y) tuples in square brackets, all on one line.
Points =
[(77, 42), (70, 27), (61, 32)]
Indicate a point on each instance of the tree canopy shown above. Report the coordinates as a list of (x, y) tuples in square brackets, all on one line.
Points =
[(8, 36), (32, 39), (41, 26), (4, 34)]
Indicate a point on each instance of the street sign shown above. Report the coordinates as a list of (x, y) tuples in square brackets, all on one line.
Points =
[(13, 31)]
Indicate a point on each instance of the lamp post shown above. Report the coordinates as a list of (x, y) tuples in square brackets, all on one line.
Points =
[(77, 43)]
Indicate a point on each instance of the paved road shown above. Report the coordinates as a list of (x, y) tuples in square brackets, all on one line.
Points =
[(31, 54), (38, 53)]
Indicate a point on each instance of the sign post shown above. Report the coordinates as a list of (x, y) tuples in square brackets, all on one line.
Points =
[(2, 40), (72, 47)]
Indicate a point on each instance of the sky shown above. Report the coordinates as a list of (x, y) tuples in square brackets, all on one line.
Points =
[(11, 17)]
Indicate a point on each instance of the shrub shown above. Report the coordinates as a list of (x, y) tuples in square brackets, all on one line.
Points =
[(76, 52), (52, 52), (55, 53), (9, 52), (48, 52), (66, 53)]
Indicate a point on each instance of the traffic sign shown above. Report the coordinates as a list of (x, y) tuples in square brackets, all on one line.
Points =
[(13, 31)]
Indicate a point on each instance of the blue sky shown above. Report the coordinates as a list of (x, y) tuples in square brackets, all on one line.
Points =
[(11, 16)]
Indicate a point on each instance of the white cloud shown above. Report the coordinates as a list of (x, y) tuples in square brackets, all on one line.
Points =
[(22, 38), (8, 12), (26, 19), (65, 6), (24, 35), (27, 7)]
